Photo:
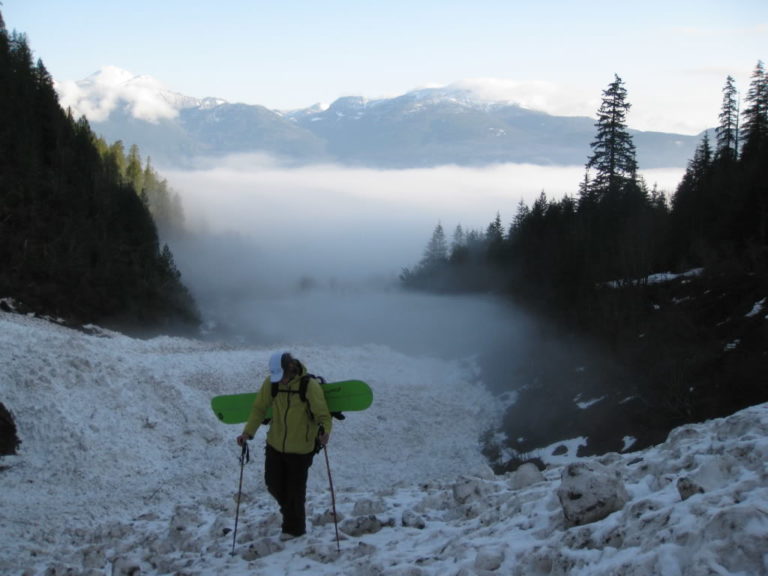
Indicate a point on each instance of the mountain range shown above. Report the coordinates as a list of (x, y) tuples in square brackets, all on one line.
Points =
[(422, 128)]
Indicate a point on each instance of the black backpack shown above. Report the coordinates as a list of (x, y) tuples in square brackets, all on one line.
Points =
[(302, 392)]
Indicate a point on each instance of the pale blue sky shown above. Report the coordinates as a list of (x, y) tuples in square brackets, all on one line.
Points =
[(673, 56)]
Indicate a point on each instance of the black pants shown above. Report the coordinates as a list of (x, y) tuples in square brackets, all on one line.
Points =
[(286, 479)]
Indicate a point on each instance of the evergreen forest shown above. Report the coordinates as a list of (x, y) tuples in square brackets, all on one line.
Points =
[(79, 217), (683, 350), (615, 229)]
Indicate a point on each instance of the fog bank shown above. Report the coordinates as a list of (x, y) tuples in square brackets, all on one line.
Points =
[(333, 222), (285, 255)]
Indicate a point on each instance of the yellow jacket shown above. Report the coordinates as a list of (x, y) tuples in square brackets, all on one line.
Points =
[(295, 424)]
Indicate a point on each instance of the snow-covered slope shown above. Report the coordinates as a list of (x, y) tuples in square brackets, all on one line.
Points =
[(123, 468)]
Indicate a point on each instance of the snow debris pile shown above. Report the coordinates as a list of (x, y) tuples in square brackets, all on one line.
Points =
[(123, 469)]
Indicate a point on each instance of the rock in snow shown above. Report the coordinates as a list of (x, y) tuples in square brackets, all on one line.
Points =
[(590, 491), (123, 469), (687, 487)]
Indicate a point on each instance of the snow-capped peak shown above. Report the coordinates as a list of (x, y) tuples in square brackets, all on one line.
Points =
[(108, 76), (456, 93), (111, 88), (146, 98), (474, 94)]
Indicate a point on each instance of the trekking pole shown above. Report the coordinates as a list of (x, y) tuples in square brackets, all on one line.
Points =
[(245, 456), (333, 499)]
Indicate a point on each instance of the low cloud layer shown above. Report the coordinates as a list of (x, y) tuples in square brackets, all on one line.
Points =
[(311, 254), (336, 222)]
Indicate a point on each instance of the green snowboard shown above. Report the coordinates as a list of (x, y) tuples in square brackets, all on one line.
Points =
[(344, 396)]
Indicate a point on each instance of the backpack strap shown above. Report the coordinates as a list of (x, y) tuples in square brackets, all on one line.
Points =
[(303, 385), (302, 392)]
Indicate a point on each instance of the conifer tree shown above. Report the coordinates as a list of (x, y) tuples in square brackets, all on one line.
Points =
[(613, 200), (689, 201), (495, 232), (753, 191), (118, 161), (436, 252), (520, 215), (494, 237), (728, 130), (432, 264), (458, 245), (755, 126), (134, 173), (613, 158)]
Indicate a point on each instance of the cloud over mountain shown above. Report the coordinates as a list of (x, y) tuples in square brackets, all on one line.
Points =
[(554, 99), (112, 88), (477, 122)]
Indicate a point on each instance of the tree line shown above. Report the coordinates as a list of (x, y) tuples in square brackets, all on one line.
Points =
[(154, 191), (77, 234), (557, 254)]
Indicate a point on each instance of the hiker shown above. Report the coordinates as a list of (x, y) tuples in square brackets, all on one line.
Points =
[(300, 426)]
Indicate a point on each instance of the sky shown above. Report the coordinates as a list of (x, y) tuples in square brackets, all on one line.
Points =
[(558, 55)]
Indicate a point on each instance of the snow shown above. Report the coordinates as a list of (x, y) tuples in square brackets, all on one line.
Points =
[(756, 309), (584, 404), (659, 278), (628, 441), (732, 345), (669, 276), (124, 469)]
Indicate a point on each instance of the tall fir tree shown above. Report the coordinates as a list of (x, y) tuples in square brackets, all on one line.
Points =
[(436, 252), (613, 158), (728, 129), (458, 245), (693, 206), (755, 125), (494, 237), (134, 173), (753, 193)]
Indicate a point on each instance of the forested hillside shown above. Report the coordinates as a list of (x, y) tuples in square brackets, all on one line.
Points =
[(76, 239), (684, 350), (614, 228)]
